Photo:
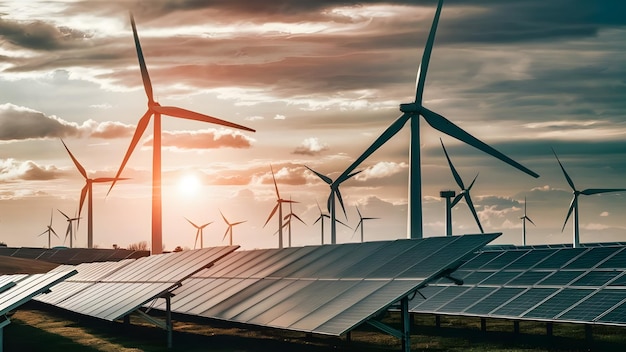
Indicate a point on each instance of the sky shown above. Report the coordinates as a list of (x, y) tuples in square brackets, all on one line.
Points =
[(318, 81)]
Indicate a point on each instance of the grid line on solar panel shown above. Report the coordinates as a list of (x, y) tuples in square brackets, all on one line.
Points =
[(617, 261), (466, 299), (620, 280), (524, 302), (28, 287), (561, 278), (558, 303), (594, 306), (479, 260), (500, 278), (560, 258), (529, 278), (431, 304), (504, 259), (531, 259), (615, 315), (497, 298), (404, 260), (592, 258), (595, 278)]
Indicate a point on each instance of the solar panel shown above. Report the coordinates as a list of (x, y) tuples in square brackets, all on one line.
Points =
[(592, 257), (561, 278), (558, 303), (466, 299), (494, 300), (26, 288), (588, 309), (323, 289), (595, 278), (111, 290), (525, 301), (560, 258)]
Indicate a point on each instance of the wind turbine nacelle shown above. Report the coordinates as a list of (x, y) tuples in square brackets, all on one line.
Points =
[(410, 108), (447, 194)]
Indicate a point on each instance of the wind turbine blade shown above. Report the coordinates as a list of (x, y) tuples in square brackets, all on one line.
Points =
[(141, 127), (357, 226), (341, 202), (51, 212), (329, 201), (527, 218), (470, 204), (569, 180), (108, 179), (147, 85), (359, 212), (192, 224), (80, 168), (442, 124), (421, 72), (472, 184), (569, 212), (83, 195), (318, 206), (591, 191), (240, 222), (456, 199), (343, 224), (391, 131), (324, 178), (371, 218), (192, 115), (205, 225), (271, 214), (455, 174), (318, 219), (67, 217), (53, 232), (275, 185), (223, 217), (297, 217), (226, 233)]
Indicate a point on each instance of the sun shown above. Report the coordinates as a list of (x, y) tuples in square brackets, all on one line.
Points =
[(189, 184)]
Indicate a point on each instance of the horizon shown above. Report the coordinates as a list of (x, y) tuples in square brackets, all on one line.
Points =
[(521, 76)]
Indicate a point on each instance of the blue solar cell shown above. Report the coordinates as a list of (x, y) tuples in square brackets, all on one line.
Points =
[(433, 303), (529, 278), (500, 278), (558, 303), (616, 315), (466, 299), (595, 278), (618, 261), (524, 302), (592, 258), (474, 278), (504, 260), (594, 306), (494, 300), (561, 278), (479, 260), (532, 258), (560, 258)]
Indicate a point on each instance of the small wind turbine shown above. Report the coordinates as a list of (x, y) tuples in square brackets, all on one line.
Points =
[(321, 220), (156, 110), (279, 207), (413, 111), (288, 219), (229, 229), (87, 191), (361, 218), (524, 218), (50, 231), (574, 204), (334, 191), (199, 232), (70, 230), (465, 192)]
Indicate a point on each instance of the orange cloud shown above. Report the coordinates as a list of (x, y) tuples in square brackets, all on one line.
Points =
[(203, 139)]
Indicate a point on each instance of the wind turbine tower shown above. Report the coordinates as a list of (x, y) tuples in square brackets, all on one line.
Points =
[(361, 219), (412, 111), (288, 219), (229, 229), (524, 218), (199, 232), (50, 231), (279, 207), (448, 195), (70, 230)]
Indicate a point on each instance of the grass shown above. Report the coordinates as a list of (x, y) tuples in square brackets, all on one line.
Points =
[(37, 328)]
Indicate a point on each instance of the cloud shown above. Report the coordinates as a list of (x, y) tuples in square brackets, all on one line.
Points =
[(203, 139), (381, 170), (22, 123), (604, 213), (279, 117), (13, 170), (310, 146), (38, 35)]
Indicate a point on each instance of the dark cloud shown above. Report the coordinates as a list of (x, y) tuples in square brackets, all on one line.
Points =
[(38, 35)]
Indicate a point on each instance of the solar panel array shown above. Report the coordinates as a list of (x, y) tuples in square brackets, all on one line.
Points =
[(322, 289), (581, 285), (72, 256), (111, 290)]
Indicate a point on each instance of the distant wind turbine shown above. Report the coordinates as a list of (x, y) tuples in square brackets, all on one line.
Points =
[(229, 229), (70, 230), (156, 110), (87, 191), (279, 207), (321, 220), (524, 218), (574, 204), (413, 111), (288, 219), (361, 219), (49, 230), (199, 232), (334, 191), (465, 192)]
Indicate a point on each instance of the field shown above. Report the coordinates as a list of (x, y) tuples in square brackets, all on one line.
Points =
[(38, 328)]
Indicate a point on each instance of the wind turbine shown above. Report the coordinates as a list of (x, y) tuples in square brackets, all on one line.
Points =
[(87, 191), (524, 218), (70, 230), (448, 195), (229, 230), (465, 192), (199, 232), (289, 217), (279, 207), (49, 230), (574, 204), (361, 218), (334, 191), (412, 111), (321, 219), (156, 110)]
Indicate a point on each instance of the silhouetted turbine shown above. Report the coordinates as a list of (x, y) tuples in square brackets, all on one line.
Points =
[(321, 220), (49, 231), (573, 207), (413, 111), (279, 207), (361, 219), (156, 110), (229, 229), (199, 232), (289, 217), (524, 218), (69, 231), (334, 191), (465, 192), (87, 191)]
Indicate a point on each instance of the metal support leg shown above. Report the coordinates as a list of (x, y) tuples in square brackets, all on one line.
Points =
[(516, 327), (549, 329), (437, 321), (168, 320), (588, 333), (349, 337), (483, 325), (406, 324)]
